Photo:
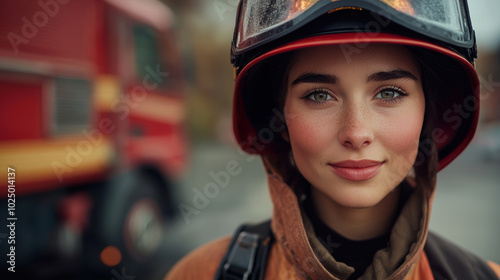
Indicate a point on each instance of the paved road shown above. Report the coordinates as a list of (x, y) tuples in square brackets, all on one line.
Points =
[(466, 207), (245, 198)]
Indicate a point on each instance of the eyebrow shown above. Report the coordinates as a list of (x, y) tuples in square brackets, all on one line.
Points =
[(310, 77), (391, 75)]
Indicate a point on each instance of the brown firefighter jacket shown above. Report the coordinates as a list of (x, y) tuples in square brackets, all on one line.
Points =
[(298, 254)]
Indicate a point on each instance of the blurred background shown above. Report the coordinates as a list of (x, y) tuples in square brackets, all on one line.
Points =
[(116, 114)]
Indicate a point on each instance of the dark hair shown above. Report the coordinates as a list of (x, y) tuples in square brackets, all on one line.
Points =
[(426, 169)]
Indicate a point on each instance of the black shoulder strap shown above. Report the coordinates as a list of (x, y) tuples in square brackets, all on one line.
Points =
[(247, 253), (448, 261)]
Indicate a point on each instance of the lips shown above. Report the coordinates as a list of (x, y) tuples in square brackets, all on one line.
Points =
[(360, 170)]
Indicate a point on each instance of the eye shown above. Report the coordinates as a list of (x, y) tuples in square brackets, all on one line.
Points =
[(390, 94), (318, 95)]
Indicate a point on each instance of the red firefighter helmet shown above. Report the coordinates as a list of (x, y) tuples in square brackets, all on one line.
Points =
[(439, 30)]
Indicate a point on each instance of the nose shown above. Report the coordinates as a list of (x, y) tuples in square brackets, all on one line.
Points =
[(356, 129)]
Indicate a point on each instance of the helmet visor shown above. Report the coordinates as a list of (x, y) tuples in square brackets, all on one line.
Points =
[(261, 21)]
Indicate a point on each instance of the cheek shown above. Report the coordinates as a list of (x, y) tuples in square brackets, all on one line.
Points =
[(401, 138), (309, 134)]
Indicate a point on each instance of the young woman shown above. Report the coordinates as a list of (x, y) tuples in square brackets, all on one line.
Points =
[(354, 106)]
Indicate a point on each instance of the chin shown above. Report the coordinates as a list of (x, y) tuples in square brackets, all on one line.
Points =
[(359, 195), (359, 200)]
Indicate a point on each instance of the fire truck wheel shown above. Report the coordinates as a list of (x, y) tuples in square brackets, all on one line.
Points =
[(131, 218), (143, 226)]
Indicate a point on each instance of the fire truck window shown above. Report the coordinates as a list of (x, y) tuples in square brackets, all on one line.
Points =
[(72, 101), (147, 57)]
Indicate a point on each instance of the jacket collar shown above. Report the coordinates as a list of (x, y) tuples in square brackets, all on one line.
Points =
[(311, 259)]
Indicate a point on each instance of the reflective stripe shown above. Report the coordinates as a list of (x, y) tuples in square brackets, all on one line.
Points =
[(160, 108), (54, 160)]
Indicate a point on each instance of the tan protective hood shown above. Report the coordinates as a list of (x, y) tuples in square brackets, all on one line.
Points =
[(294, 233)]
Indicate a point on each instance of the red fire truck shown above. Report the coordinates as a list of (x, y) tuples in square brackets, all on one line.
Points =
[(91, 130)]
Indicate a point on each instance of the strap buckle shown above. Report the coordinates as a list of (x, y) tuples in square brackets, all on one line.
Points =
[(241, 260)]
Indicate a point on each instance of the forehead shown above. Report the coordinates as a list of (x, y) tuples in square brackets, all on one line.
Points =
[(368, 58)]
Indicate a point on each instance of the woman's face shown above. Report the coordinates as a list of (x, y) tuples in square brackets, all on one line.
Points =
[(354, 120)]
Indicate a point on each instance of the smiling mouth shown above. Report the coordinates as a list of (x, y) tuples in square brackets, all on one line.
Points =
[(357, 170)]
